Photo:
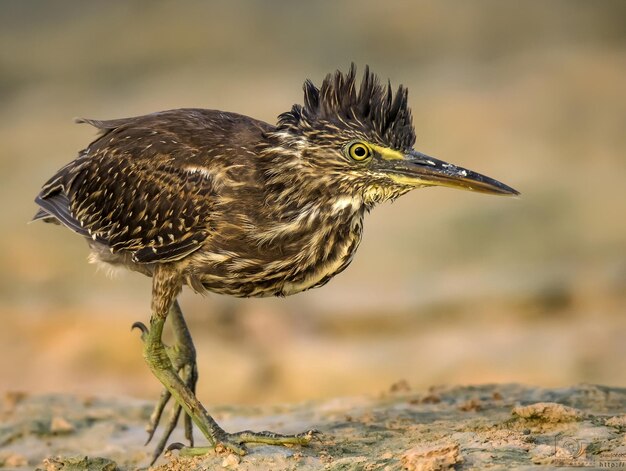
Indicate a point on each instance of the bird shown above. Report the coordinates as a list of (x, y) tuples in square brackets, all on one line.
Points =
[(224, 203)]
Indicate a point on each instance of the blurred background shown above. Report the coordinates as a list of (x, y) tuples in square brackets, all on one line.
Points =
[(448, 287)]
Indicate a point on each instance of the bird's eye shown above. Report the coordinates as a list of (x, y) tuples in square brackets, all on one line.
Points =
[(359, 151)]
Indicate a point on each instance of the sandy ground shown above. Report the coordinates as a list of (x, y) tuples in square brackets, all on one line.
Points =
[(475, 427)]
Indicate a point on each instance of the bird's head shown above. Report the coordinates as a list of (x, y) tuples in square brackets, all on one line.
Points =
[(359, 140)]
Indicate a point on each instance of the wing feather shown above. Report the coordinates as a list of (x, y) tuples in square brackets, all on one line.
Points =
[(131, 191)]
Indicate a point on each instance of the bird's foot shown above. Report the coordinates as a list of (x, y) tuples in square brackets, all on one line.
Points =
[(183, 359), (176, 370), (236, 442)]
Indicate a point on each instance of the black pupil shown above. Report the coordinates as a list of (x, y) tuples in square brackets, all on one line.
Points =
[(360, 151)]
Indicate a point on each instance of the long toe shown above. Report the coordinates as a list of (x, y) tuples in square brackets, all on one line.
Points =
[(157, 412), (271, 438), (236, 442)]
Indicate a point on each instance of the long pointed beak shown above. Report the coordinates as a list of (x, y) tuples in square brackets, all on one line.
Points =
[(417, 169)]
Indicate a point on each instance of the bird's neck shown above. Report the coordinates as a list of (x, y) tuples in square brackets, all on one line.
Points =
[(311, 210)]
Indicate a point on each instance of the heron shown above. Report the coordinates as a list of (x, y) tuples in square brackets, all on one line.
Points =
[(228, 204)]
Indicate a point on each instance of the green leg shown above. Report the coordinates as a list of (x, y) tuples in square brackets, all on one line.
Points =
[(182, 355), (166, 286)]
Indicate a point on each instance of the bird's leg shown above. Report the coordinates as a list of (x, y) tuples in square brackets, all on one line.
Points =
[(166, 284), (182, 354)]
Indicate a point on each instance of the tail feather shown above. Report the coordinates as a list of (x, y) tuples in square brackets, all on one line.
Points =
[(41, 214), (57, 206)]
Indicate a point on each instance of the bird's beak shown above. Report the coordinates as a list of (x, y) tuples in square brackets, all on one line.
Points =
[(417, 169)]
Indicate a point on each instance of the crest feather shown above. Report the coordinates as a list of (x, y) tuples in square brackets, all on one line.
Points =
[(374, 108)]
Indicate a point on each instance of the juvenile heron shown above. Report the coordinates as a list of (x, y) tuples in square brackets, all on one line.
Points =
[(225, 203)]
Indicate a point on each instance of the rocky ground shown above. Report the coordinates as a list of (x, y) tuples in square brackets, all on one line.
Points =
[(475, 427)]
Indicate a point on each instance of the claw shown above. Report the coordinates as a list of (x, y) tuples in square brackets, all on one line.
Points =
[(175, 446), (155, 456), (141, 326)]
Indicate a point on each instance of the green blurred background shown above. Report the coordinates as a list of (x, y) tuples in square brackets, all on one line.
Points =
[(447, 287)]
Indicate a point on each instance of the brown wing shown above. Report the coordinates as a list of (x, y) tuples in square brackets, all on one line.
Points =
[(142, 187)]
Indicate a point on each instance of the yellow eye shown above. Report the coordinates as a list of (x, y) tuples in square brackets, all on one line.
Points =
[(359, 151)]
